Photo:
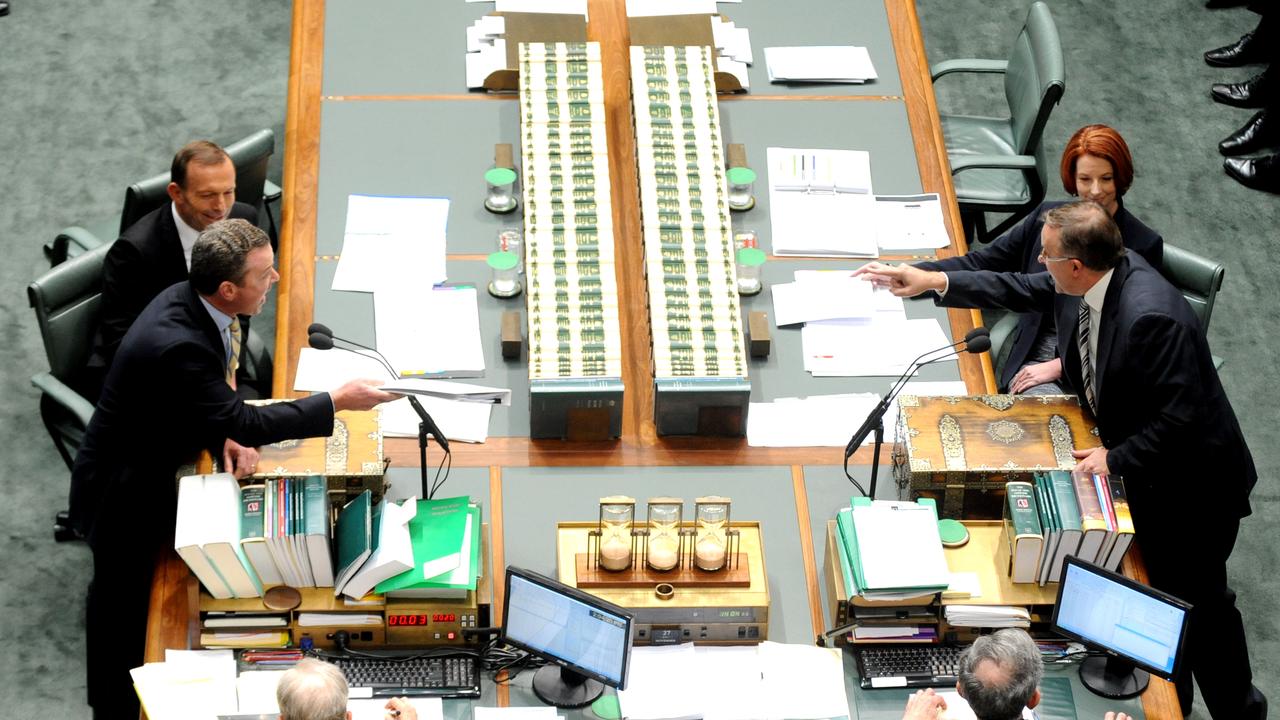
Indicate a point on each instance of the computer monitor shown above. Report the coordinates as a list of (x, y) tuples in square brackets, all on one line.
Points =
[(1140, 628), (587, 639)]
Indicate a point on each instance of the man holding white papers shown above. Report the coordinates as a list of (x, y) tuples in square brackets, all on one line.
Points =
[(315, 690)]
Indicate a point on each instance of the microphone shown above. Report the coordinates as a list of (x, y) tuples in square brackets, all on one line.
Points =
[(321, 337), (977, 340)]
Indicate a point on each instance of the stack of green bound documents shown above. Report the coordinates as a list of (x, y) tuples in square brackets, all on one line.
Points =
[(891, 550), (446, 551)]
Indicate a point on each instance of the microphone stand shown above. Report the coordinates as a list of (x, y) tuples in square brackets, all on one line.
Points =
[(413, 402), (875, 419)]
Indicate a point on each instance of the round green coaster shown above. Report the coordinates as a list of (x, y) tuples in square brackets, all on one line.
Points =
[(499, 176), (606, 707), (952, 532), (503, 260), (751, 257), (741, 175)]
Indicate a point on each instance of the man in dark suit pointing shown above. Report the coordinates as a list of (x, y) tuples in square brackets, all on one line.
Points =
[(166, 398), (1137, 355)]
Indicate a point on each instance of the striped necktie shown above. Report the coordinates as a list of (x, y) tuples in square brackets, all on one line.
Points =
[(1086, 361), (233, 363)]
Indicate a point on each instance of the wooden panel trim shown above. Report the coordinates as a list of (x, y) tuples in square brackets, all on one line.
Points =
[(935, 168), (498, 570), (812, 581), (608, 26), (296, 295), (823, 98)]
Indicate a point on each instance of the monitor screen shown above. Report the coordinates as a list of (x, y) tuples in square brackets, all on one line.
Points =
[(567, 626), (1110, 611)]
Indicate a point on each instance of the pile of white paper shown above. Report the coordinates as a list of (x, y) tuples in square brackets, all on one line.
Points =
[(820, 202), (829, 420), (733, 49), (768, 681), (188, 685), (988, 616), (827, 64)]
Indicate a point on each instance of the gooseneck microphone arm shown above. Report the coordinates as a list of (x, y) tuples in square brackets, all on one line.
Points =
[(975, 341), (321, 337)]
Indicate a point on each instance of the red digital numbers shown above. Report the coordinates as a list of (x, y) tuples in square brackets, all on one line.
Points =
[(444, 617), (407, 620)]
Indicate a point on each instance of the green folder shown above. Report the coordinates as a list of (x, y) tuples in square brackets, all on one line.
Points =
[(438, 532)]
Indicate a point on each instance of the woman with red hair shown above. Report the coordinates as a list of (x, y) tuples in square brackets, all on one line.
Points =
[(1096, 165)]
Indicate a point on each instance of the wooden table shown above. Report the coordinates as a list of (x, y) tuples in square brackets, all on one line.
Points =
[(174, 593)]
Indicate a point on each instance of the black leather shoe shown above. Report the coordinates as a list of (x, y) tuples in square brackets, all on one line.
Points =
[(1261, 173), (4, 8), (1262, 130), (1244, 51), (1255, 92)]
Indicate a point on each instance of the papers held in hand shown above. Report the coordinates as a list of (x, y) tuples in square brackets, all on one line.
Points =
[(449, 390)]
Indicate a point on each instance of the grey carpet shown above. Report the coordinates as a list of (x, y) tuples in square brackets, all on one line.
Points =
[(94, 96)]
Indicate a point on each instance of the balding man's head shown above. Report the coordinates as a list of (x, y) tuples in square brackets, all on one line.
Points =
[(312, 690), (1000, 674)]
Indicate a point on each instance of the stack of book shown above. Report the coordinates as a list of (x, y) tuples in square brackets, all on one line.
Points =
[(239, 540), (892, 550), (1064, 513), (418, 548)]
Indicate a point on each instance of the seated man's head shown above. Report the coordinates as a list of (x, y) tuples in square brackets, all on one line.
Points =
[(202, 184), (313, 690), (1000, 674), (233, 267)]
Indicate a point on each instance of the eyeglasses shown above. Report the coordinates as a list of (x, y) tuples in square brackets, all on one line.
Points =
[(1044, 260)]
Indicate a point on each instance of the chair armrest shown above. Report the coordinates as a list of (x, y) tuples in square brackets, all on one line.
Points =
[(271, 192), (75, 236), (62, 394), (968, 65), (1000, 162)]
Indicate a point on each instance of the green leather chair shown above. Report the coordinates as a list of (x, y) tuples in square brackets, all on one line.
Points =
[(250, 157), (998, 164), (1199, 279), (67, 303)]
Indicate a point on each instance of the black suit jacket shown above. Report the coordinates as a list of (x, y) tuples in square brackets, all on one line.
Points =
[(164, 400), (1017, 251), (1162, 412), (144, 261)]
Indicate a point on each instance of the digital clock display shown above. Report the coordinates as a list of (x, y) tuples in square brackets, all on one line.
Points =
[(420, 620)]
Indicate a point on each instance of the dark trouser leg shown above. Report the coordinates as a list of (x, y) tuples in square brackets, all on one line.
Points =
[(116, 622), (1193, 566)]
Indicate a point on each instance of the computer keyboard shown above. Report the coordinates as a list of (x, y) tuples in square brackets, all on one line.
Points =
[(389, 675), (908, 665)]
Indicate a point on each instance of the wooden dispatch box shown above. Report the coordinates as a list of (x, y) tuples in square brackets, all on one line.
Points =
[(961, 451), (351, 458)]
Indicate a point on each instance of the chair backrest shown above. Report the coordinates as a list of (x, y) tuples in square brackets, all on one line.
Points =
[(1198, 277), (250, 157), (1035, 79), (68, 302)]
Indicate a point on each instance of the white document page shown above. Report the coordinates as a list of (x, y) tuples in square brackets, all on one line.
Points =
[(429, 331), (459, 420), (822, 420), (820, 203), (385, 235), (256, 690), (325, 370), (881, 347), (846, 171), (490, 59), (450, 390), (829, 298), (830, 63), (733, 682), (909, 222), (803, 681), (662, 684), (651, 8), (900, 546), (428, 708)]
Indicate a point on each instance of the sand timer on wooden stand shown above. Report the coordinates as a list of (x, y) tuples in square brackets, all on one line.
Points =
[(614, 537), (664, 541), (715, 543)]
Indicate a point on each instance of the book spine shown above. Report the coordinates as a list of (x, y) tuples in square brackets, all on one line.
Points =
[(1103, 488), (1091, 517), (1065, 498), (1023, 510)]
